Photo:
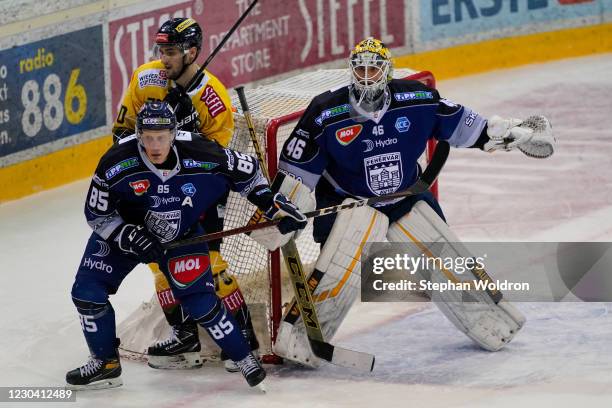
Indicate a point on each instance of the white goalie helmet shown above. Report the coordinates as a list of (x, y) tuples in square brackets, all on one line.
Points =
[(371, 69)]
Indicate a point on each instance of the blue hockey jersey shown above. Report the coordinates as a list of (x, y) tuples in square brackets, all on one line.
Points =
[(366, 154), (128, 188)]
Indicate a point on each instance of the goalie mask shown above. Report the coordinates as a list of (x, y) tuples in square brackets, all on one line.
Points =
[(371, 70)]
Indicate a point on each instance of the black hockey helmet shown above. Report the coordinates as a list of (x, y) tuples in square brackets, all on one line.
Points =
[(182, 32), (156, 115)]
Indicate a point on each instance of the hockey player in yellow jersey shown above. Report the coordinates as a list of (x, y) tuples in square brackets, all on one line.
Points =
[(204, 108)]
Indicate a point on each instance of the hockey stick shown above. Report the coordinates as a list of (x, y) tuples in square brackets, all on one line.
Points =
[(212, 55), (335, 355), (420, 186)]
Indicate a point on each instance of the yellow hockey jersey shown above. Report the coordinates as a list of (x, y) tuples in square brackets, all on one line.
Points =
[(210, 99)]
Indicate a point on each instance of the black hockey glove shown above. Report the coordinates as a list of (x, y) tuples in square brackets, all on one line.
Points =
[(292, 218), (137, 240), (187, 118)]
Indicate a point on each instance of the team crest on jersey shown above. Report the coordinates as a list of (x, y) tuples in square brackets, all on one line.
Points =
[(152, 77), (185, 270), (347, 134), (140, 187), (165, 225), (384, 172)]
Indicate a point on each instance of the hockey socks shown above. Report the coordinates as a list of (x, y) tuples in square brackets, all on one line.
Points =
[(98, 324)]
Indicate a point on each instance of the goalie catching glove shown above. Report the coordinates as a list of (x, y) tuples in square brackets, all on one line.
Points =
[(292, 220), (532, 136)]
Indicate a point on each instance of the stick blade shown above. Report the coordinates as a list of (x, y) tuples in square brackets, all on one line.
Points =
[(342, 357)]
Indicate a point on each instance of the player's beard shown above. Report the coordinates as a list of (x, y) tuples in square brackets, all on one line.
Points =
[(174, 73)]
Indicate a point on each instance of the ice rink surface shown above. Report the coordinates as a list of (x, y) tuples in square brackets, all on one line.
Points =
[(561, 358)]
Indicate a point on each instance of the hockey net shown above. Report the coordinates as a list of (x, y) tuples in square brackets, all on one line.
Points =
[(275, 109)]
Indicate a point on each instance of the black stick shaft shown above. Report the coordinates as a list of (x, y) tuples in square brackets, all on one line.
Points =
[(221, 44)]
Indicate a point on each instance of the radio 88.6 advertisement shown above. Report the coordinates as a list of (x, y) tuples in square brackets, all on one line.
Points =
[(51, 89)]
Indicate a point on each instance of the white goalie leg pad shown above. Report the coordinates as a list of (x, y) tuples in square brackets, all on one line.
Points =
[(490, 325), (338, 271), (301, 196)]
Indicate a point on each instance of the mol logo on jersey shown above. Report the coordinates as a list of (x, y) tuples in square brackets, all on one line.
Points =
[(348, 134), (185, 270), (384, 172), (140, 187)]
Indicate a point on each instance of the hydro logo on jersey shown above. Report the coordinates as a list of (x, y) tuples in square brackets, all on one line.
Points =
[(379, 144), (156, 201), (103, 250), (97, 265), (384, 172), (165, 225), (185, 270)]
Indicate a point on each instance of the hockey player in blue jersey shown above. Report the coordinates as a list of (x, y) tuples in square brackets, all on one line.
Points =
[(364, 140), (148, 190)]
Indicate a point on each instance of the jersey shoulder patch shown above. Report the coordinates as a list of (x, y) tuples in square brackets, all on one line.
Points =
[(120, 158), (405, 91), (330, 104), (214, 95), (151, 74), (200, 153)]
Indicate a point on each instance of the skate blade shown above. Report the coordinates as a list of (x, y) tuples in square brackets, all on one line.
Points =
[(231, 367), (178, 362), (262, 387), (97, 385)]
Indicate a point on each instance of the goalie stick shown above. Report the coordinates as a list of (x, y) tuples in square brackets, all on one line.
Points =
[(320, 348), (420, 186)]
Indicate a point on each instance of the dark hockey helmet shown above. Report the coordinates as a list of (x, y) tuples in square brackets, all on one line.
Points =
[(156, 115), (181, 32), (371, 69)]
